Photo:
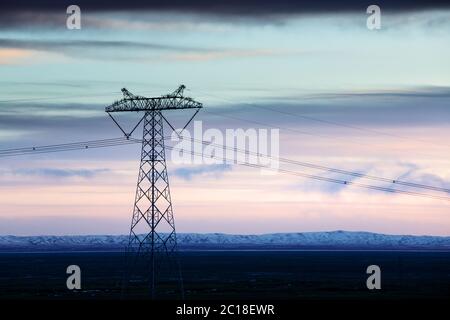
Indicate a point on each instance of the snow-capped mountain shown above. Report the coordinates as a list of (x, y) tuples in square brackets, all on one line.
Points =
[(306, 240)]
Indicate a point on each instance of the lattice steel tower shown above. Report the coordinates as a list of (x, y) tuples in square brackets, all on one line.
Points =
[(152, 245)]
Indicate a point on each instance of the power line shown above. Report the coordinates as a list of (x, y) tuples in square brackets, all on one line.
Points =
[(93, 144), (315, 177), (289, 129), (356, 174), (264, 124), (335, 123), (61, 145), (254, 106), (102, 143), (252, 121), (213, 113), (325, 168)]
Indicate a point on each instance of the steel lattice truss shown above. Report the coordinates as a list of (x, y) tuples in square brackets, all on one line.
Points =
[(153, 206), (175, 100), (152, 245)]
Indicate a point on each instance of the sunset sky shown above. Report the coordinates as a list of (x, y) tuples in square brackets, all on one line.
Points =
[(344, 96)]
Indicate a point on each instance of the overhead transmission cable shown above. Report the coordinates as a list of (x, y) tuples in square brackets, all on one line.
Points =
[(323, 168), (123, 141), (315, 177), (92, 144), (311, 118)]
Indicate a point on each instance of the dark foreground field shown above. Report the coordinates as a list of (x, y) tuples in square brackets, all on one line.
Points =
[(238, 275)]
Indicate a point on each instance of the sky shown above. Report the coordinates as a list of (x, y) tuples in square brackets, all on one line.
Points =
[(341, 95)]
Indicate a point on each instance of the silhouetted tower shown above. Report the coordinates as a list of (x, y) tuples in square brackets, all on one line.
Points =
[(152, 245)]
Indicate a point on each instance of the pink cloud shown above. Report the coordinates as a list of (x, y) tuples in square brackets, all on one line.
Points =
[(12, 56)]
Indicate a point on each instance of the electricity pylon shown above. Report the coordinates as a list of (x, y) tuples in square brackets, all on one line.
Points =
[(152, 245)]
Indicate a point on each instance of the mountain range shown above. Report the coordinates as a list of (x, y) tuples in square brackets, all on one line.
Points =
[(334, 240)]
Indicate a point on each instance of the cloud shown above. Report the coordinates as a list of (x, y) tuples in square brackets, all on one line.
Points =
[(187, 21), (79, 48), (311, 185), (13, 55), (308, 115), (52, 14), (59, 173), (414, 106), (188, 173), (414, 173), (416, 92), (52, 45), (400, 171), (223, 7), (223, 54)]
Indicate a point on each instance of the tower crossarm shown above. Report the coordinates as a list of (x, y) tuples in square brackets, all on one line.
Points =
[(172, 101)]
